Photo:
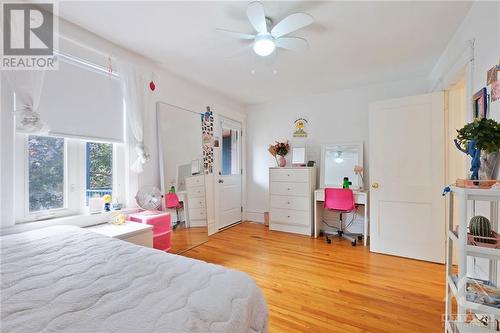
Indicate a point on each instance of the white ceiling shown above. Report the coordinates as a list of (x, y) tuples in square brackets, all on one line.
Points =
[(351, 43)]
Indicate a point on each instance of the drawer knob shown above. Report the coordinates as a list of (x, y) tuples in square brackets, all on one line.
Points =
[(288, 174), (288, 202), (288, 216), (288, 189)]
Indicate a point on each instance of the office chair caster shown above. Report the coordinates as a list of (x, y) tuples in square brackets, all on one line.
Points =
[(328, 240), (321, 233), (353, 243), (340, 232), (360, 238)]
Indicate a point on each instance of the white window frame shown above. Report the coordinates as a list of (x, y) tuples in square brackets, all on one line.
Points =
[(74, 179)]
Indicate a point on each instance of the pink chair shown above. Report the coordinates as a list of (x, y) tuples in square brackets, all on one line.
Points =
[(342, 201), (172, 202)]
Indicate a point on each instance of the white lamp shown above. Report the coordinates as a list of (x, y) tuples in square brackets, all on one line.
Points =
[(264, 45)]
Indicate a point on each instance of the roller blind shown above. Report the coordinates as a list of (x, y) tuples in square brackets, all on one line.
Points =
[(83, 102)]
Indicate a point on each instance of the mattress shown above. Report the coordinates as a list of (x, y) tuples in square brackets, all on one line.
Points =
[(67, 279)]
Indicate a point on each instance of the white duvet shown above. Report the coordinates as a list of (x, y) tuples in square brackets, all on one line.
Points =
[(67, 279)]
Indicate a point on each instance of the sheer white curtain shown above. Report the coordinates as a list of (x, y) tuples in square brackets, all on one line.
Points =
[(27, 84), (136, 94)]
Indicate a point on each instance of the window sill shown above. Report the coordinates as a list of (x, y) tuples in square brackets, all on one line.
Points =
[(81, 220)]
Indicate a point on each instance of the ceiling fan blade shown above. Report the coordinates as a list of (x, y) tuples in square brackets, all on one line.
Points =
[(291, 23), (257, 16), (292, 43), (235, 34)]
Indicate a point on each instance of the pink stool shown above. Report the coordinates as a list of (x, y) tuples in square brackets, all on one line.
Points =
[(161, 227)]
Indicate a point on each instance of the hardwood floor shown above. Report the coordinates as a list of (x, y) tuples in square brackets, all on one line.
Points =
[(311, 286), (184, 239)]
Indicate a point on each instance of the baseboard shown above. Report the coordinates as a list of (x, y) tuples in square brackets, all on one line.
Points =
[(255, 216)]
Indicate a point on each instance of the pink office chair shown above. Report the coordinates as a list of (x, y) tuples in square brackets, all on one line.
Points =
[(172, 201), (342, 201)]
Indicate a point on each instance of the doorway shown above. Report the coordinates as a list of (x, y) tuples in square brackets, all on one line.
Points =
[(229, 183)]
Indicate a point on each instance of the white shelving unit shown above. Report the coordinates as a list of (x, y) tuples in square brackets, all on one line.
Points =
[(457, 235)]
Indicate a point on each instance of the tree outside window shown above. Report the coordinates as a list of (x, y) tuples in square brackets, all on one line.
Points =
[(99, 169), (46, 173)]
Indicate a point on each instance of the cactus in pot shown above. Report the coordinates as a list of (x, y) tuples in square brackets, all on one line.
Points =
[(480, 226)]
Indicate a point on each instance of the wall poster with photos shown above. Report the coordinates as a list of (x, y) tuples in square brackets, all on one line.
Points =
[(207, 127)]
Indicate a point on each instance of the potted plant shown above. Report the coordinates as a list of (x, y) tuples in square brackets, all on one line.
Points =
[(480, 140), (279, 151)]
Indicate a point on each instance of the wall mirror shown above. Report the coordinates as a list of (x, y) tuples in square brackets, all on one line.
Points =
[(338, 161), (181, 174)]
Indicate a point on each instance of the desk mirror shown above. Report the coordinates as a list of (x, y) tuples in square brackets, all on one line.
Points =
[(338, 161), (181, 171)]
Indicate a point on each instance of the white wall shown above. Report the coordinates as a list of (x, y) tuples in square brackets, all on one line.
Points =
[(482, 23), (170, 89), (332, 117)]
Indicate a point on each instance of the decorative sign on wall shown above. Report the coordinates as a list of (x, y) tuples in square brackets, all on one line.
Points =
[(300, 125), (492, 80), (207, 128)]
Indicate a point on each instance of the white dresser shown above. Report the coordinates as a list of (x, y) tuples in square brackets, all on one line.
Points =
[(196, 203), (291, 195)]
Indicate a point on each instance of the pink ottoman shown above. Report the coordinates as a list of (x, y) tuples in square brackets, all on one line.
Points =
[(161, 227)]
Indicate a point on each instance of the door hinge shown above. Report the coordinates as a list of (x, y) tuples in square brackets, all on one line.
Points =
[(242, 209)]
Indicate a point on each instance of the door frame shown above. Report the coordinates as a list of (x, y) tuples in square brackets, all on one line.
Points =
[(219, 119)]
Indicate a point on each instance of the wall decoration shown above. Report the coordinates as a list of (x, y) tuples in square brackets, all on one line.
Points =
[(480, 104), (492, 75), (207, 128), (299, 125), (495, 91)]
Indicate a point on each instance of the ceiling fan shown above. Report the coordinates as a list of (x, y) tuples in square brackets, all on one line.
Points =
[(269, 37)]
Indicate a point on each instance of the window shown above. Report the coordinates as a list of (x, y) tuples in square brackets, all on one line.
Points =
[(230, 151), (56, 176), (45, 173), (99, 175)]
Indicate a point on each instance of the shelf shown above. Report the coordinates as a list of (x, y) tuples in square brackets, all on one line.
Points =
[(480, 251), (476, 250), (478, 308), (477, 193), (456, 327)]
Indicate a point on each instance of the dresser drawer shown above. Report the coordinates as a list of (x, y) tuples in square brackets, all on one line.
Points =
[(288, 216), (198, 202), (292, 189), (290, 202), (196, 192), (195, 181), (289, 175), (197, 213)]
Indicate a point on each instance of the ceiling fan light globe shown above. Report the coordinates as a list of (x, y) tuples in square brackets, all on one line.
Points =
[(264, 45)]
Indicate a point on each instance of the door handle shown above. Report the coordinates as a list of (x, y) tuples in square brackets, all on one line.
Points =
[(375, 185), (221, 181)]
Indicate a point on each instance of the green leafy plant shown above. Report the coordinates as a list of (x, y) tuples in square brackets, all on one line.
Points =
[(486, 133)]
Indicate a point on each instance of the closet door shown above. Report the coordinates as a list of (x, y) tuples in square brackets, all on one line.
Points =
[(407, 155)]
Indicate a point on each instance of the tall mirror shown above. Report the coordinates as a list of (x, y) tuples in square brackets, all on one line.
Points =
[(182, 175), (338, 162)]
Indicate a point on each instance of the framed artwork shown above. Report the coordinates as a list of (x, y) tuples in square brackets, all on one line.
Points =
[(492, 75), (480, 104)]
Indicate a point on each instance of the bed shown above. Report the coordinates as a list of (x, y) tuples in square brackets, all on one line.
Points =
[(67, 279)]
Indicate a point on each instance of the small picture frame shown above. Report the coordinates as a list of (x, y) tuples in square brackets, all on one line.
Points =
[(480, 104), (299, 156)]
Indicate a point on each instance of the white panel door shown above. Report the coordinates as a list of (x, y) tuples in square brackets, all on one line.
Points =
[(229, 182), (407, 155)]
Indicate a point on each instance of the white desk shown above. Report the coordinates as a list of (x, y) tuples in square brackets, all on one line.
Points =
[(360, 198)]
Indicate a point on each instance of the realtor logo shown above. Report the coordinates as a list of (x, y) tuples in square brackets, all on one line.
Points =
[(28, 36)]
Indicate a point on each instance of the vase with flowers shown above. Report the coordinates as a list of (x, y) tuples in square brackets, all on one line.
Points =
[(279, 151)]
